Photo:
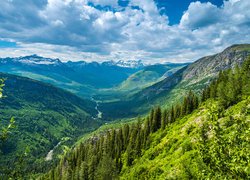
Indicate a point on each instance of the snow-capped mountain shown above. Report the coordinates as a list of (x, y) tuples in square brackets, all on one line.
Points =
[(31, 60), (35, 60), (125, 64), (120, 63), (71, 75), (130, 63)]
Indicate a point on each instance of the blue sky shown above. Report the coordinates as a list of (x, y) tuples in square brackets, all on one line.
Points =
[(98, 30), (174, 8), (7, 44)]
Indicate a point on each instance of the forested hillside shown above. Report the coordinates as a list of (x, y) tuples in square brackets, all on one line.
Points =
[(200, 138), (171, 89), (124, 89), (44, 116)]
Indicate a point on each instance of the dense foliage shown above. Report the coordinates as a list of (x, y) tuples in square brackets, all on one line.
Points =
[(171, 90), (42, 120), (5, 130), (210, 153)]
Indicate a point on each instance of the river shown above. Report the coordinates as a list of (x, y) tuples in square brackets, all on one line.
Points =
[(99, 113), (49, 156)]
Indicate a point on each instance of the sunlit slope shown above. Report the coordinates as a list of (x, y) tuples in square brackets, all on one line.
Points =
[(170, 90), (181, 150)]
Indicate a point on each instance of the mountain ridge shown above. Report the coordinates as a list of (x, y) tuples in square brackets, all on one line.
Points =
[(36, 59), (192, 77), (82, 78)]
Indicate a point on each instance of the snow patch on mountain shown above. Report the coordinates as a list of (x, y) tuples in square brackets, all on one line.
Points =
[(34, 59), (125, 64), (38, 60), (31, 60), (130, 63)]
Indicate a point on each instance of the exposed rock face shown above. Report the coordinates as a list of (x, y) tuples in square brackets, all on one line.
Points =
[(211, 65), (204, 68)]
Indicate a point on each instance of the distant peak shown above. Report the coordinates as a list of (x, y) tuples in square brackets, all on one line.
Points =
[(125, 63), (130, 63), (36, 59), (31, 56)]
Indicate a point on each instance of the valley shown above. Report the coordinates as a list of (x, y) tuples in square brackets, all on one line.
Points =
[(125, 90), (48, 125), (198, 137), (99, 113)]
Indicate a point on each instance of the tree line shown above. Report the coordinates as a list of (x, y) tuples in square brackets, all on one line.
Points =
[(231, 86), (106, 155)]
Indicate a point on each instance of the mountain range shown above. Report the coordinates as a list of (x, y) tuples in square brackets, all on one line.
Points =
[(81, 78), (55, 103), (203, 137), (194, 76)]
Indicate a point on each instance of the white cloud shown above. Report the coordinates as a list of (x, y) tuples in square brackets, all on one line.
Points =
[(200, 15), (73, 29), (113, 3)]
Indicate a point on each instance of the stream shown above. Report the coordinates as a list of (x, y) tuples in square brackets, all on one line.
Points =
[(49, 156), (99, 113)]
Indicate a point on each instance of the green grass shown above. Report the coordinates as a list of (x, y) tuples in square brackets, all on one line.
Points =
[(175, 152)]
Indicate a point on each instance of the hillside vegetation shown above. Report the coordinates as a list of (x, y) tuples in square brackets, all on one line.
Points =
[(148, 76), (207, 139), (44, 116), (170, 90)]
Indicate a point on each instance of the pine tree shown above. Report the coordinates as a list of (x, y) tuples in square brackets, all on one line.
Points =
[(164, 119), (178, 110), (184, 109), (83, 173), (156, 119), (172, 115), (245, 71), (92, 167), (126, 133), (146, 132), (106, 169), (151, 119)]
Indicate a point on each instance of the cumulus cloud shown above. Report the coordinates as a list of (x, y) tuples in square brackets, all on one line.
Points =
[(201, 15), (113, 3), (82, 29)]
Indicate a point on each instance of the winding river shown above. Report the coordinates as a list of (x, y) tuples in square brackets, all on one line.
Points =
[(99, 113)]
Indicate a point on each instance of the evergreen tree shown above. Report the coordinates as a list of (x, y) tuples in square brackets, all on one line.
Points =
[(83, 173), (164, 119), (105, 156), (106, 169), (146, 132), (172, 115), (126, 132), (156, 119)]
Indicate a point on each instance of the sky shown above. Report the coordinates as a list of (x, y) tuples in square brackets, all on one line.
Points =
[(98, 30)]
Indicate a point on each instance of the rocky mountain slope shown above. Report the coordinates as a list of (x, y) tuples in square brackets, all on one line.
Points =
[(202, 70), (198, 138), (211, 65), (170, 90)]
